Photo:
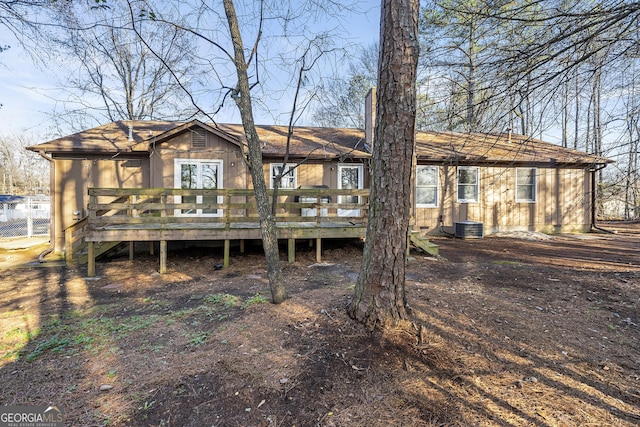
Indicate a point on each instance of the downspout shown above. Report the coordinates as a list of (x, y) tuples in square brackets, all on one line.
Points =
[(594, 200), (52, 211)]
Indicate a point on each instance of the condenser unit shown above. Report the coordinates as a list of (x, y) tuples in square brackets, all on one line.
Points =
[(468, 230)]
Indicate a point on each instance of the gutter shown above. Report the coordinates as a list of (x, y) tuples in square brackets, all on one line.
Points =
[(594, 200), (52, 209)]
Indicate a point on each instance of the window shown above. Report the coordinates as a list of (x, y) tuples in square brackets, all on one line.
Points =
[(288, 180), (198, 174), (427, 186), (526, 185), (468, 184), (350, 177)]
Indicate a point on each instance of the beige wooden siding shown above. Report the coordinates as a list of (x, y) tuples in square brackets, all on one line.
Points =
[(73, 177), (313, 173), (563, 202), (163, 156)]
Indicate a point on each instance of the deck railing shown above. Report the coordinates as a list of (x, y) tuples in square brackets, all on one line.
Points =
[(140, 206), (163, 214)]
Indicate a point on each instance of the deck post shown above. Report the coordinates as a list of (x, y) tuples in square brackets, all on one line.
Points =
[(151, 248), (163, 256), (131, 246), (68, 245), (227, 246), (91, 260), (292, 250), (318, 249), (241, 246)]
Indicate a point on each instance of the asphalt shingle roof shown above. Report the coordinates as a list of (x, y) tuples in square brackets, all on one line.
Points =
[(496, 148), (317, 142)]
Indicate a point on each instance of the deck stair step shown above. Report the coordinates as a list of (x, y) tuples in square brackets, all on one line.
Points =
[(423, 244), (102, 249)]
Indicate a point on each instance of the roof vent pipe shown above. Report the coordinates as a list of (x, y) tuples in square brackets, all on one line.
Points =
[(509, 135), (130, 133)]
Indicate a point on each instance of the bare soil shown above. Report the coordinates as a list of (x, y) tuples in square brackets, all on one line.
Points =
[(519, 330)]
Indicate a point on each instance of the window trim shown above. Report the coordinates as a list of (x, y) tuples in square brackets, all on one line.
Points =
[(477, 185), (349, 212), (292, 167), (436, 185), (535, 185), (177, 182)]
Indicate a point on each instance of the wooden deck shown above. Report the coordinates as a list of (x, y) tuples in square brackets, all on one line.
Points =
[(166, 214)]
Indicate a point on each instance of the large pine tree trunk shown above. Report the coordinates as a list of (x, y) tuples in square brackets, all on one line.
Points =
[(379, 298), (242, 97)]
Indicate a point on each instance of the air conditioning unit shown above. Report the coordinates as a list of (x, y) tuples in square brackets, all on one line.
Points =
[(468, 230)]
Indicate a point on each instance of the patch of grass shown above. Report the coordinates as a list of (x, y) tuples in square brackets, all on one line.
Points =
[(89, 334), (227, 300), (505, 262), (21, 334), (180, 314), (256, 299), (54, 344), (83, 340), (13, 313), (197, 339), (14, 342)]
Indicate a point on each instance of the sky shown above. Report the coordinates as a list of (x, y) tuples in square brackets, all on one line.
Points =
[(28, 91)]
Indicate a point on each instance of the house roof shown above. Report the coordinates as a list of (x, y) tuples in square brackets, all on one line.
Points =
[(317, 142), (110, 138), (462, 148), (116, 137)]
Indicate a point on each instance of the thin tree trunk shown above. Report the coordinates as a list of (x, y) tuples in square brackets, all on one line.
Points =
[(471, 82), (242, 98), (576, 122), (379, 298), (565, 115)]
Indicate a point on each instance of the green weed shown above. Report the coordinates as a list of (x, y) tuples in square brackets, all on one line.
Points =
[(198, 339), (256, 299), (227, 300), (54, 344)]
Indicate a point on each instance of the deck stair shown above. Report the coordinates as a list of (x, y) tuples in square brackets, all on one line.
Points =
[(423, 244), (76, 249), (102, 249)]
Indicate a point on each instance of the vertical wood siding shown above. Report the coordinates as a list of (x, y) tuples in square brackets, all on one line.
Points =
[(563, 202)]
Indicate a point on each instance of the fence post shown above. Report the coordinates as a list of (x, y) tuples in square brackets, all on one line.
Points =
[(29, 217)]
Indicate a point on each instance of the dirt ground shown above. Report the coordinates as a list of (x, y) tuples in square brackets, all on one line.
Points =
[(519, 330)]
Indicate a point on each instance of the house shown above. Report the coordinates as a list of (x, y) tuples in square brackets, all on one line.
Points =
[(465, 184), (470, 185), (206, 162), (505, 182)]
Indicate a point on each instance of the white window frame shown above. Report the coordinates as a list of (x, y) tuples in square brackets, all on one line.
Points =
[(535, 186), (477, 184), (291, 175), (435, 186), (350, 199), (177, 181)]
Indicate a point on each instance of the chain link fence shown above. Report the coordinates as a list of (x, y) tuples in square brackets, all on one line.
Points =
[(24, 216)]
